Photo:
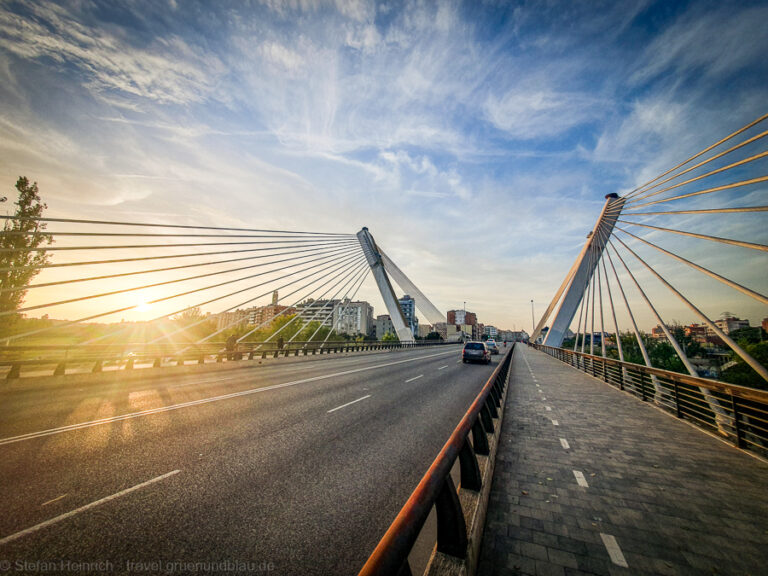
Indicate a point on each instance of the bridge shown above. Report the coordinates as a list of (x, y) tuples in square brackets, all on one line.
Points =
[(181, 441)]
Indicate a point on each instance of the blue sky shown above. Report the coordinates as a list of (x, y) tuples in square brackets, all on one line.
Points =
[(476, 140)]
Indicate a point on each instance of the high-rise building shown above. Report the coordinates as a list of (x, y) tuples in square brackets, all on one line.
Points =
[(383, 325), (408, 307), (353, 318), (317, 311), (461, 317)]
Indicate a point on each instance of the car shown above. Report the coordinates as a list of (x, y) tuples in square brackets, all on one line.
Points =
[(491, 345), (476, 352)]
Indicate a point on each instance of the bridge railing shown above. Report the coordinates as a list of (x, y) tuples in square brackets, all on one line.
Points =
[(460, 514), (737, 413), (97, 357)]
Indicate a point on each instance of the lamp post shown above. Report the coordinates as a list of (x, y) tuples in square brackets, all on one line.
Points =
[(533, 321)]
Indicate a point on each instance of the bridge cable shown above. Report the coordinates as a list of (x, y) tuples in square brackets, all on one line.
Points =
[(759, 368), (360, 283), (707, 149), (167, 282), (125, 308), (730, 241), (281, 313), (702, 211), (168, 256), (363, 272), (338, 264), (739, 184), (185, 226), (315, 251), (735, 285), (648, 194)]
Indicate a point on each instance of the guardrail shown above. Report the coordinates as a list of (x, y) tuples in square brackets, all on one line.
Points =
[(458, 541), (737, 413), (128, 356)]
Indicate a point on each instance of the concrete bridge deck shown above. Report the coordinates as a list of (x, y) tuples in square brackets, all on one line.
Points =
[(589, 478)]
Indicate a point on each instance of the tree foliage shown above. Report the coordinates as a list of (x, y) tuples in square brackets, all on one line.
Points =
[(20, 259)]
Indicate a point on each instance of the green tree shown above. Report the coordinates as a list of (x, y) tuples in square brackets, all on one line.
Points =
[(389, 337), (20, 256)]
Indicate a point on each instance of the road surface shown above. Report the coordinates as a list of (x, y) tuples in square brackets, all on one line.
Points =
[(292, 467)]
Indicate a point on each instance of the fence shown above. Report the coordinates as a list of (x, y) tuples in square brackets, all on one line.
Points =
[(458, 541), (95, 358), (737, 413)]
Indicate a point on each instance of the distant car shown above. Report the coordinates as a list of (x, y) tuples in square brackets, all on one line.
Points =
[(491, 345), (476, 352)]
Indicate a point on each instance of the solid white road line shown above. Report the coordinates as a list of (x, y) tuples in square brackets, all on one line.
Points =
[(555, 423), (564, 443), (66, 515), (161, 409), (580, 480), (348, 403), (613, 550), (414, 378), (442, 367)]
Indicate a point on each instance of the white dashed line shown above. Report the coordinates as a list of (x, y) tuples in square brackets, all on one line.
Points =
[(161, 409), (52, 501), (564, 444), (414, 378), (442, 367), (555, 423), (348, 404), (580, 480), (613, 550), (66, 515)]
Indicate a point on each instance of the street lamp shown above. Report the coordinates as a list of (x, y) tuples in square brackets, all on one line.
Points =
[(533, 321)]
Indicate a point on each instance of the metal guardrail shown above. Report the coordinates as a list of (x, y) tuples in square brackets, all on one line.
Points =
[(437, 489), (127, 356), (737, 413)]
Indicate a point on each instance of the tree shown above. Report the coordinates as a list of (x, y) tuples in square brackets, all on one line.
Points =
[(20, 255), (390, 337)]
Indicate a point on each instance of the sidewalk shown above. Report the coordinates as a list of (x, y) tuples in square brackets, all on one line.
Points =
[(589, 479)]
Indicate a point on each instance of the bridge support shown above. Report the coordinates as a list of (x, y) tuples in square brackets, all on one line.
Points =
[(373, 255), (579, 275)]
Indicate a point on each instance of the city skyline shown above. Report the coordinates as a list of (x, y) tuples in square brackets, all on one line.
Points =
[(450, 131)]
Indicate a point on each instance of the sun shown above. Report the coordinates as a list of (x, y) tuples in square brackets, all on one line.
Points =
[(143, 306)]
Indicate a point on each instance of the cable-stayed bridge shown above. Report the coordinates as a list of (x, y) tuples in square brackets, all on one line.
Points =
[(301, 465)]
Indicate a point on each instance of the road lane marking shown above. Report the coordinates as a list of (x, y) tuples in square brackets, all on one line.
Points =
[(564, 443), (348, 404), (66, 515), (414, 378), (52, 501), (443, 367), (613, 550), (555, 423), (580, 480), (161, 409)]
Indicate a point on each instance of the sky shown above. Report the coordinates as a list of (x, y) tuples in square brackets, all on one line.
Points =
[(476, 140)]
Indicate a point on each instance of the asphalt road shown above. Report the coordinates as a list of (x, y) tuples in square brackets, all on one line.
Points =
[(283, 468)]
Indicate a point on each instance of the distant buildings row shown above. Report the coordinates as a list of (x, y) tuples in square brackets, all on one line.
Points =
[(705, 335), (343, 316), (357, 319)]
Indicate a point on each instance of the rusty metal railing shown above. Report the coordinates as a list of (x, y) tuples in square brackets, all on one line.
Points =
[(736, 413), (437, 489)]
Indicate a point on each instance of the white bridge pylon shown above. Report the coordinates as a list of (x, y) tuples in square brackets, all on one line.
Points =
[(579, 275), (380, 265)]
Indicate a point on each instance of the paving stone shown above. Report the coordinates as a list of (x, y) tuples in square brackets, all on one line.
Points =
[(678, 501)]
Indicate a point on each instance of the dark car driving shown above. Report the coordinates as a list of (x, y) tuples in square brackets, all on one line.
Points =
[(476, 352)]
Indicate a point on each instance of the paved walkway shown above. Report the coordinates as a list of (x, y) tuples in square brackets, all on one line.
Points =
[(589, 478)]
